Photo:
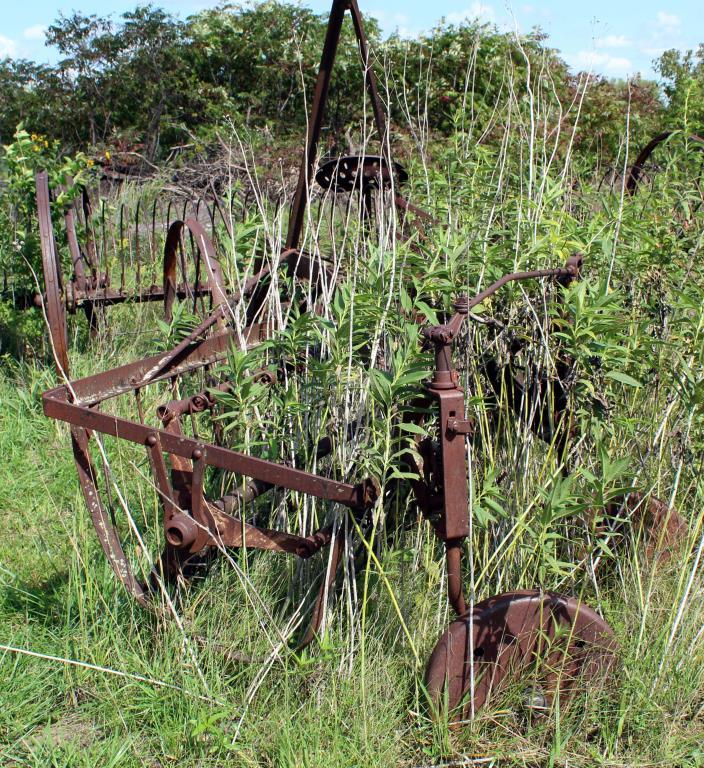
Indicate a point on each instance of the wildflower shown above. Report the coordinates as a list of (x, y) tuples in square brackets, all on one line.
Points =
[(107, 154)]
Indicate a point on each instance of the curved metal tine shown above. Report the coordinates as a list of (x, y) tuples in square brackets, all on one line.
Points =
[(121, 245), (90, 233), (196, 279), (196, 259), (211, 216), (136, 244), (217, 205), (104, 244), (152, 238), (77, 258), (162, 221)]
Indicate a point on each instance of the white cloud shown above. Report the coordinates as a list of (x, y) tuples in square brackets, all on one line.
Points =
[(36, 32), (669, 21), (613, 41), (477, 11), (653, 50), (394, 22), (7, 47), (604, 63)]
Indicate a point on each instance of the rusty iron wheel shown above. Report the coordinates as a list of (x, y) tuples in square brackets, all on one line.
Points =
[(545, 640), (664, 530), (359, 172), (55, 303)]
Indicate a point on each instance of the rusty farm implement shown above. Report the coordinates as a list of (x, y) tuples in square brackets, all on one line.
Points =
[(495, 640), (215, 498)]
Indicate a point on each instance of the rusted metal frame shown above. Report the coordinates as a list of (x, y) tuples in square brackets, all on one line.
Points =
[(453, 528), (250, 489), (107, 297), (159, 471), (181, 469), (322, 85), (354, 496), (103, 386), (370, 79), (378, 110), (327, 61), (209, 526)]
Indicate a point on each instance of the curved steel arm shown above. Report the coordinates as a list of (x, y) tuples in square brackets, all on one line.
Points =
[(443, 334)]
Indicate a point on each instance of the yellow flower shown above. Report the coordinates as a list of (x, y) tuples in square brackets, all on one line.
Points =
[(89, 163), (107, 154)]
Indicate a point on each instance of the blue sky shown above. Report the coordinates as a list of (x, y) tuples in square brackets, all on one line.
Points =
[(614, 38)]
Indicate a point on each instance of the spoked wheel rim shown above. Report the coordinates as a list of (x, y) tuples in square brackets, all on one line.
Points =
[(345, 174), (543, 639), (55, 306)]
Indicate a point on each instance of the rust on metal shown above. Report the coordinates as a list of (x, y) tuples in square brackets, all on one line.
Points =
[(361, 172), (663, 528), (194, 524), (635, 172), (500, 640), (215, 282), (55, 307)]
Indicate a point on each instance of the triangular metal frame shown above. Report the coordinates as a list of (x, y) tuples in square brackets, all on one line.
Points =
[(327, 61)]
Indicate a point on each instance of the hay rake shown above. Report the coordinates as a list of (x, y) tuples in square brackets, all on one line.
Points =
[(204, 487), (93, 284), (116, 259)]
